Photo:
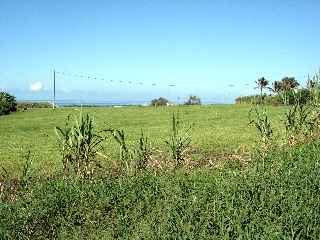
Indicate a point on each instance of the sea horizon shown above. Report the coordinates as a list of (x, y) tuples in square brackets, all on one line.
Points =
[(105, 102)]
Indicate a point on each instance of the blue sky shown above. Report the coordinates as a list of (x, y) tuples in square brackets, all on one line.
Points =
[(200, 46)]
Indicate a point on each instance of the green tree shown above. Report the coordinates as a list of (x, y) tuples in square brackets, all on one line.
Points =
[(289, 83), (159, 102), (193, 100), (7, 103)]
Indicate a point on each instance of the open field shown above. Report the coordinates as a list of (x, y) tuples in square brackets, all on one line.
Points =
[(274, 196), (215, 129)]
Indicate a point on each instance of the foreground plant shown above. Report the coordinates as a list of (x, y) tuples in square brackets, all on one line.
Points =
[(297, 123), (9, 187), (179, 141), (143, 152), (79, 145), (259, 118), (125, 153)]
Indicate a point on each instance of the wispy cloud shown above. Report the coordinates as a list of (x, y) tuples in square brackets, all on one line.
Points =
[(36, 87)]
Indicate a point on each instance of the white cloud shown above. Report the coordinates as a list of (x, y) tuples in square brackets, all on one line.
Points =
[(36, 87)]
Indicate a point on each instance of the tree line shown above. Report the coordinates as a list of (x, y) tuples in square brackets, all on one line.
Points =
[(282, 92)]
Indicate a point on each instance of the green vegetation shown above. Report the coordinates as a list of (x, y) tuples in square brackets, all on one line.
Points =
[(142, 192), (275, 197), (26, 105), (79, 144), (7, 103), (159, 102), (179, 141), (193, 100), (283, 92), (283, 98), (215, 133)]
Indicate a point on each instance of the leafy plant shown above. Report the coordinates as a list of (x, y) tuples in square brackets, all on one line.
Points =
[(297, 120), (79, 145), (262, 123), (26, 172), (179, 141), (125, 153)]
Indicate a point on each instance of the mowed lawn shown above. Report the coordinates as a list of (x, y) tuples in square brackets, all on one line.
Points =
[(216, 128)]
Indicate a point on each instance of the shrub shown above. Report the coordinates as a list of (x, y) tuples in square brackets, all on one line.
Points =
[(159, 102), (193, 100), (274, 100), (289, 97), (7, 103), (26, 105)]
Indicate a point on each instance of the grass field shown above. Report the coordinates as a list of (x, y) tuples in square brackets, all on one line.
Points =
[(274, 196), (215, 129)]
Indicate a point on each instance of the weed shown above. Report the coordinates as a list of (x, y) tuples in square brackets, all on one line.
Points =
[(300, 122), (296, 119), (143, 152), (179, 141), (26, 172), (79, 145), (263, 124), (125, 153), (9, 188)]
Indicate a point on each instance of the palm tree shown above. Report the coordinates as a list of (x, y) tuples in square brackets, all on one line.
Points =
[(289, 83), (262, 83), (285, 86)]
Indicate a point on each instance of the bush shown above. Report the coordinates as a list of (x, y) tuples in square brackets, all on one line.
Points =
[(290, 97), (274, 100), (7, 103), (26, 105), (302, 96), (193, 100), (159, 102)]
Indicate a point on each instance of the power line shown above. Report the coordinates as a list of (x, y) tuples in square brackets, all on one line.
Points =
[(91, 76)]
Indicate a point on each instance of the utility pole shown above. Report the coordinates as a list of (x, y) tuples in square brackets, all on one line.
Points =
[(54, 89)]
